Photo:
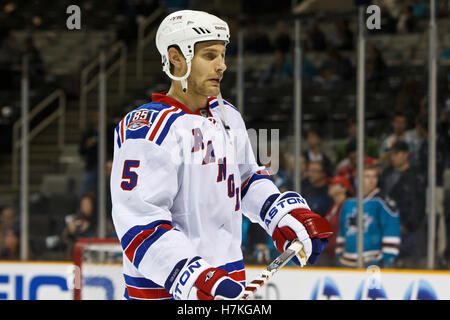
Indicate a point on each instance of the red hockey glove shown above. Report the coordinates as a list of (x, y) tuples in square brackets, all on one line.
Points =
[(309, 227), (288, 217)]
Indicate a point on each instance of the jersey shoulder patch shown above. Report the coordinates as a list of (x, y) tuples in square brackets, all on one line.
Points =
[(149, 121)]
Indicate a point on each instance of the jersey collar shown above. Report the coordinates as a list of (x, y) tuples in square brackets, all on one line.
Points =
[(162, 97)]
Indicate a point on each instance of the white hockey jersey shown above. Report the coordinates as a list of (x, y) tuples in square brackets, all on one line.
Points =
[(180, 183)]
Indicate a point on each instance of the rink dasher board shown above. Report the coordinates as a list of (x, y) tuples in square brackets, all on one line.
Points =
[(54, 280)]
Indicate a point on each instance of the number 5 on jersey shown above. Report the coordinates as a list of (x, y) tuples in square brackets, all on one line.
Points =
[(129, 176)]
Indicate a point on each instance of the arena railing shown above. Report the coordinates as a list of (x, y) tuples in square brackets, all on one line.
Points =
[(118, 50), (59, 114), (143, 39)]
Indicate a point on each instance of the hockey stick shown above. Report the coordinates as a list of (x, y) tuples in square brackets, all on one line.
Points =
[(296, 247)]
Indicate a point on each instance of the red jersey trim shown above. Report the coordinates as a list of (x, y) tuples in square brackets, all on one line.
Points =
[(164, 98)]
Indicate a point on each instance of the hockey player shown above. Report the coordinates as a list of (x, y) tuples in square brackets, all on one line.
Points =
[(381, 226), (184, 173)]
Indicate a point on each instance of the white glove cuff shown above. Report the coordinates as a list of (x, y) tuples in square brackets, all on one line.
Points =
[(185, 280), (285, 203)]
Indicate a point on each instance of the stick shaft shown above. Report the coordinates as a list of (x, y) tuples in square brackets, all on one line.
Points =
[(272, 268)]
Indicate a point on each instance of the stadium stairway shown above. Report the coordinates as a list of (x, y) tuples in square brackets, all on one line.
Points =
[(56, 173)]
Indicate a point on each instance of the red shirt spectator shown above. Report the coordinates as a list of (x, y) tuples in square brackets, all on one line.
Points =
[(339, 188)]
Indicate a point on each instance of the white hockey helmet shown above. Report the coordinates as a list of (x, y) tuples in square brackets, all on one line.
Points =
[(184, 29)]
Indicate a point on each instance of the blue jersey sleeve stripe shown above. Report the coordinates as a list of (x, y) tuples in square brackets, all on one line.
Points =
[(141, 133), (118, 136), (138, 282), (131, 233), (233, 266), (267, 204), (140, 252), (254, 178), (216, 103), (167, 126)]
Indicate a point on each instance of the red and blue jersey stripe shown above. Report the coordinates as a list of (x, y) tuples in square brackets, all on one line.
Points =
[(154, 127), (261, 174), (138, 288), (139, 239), (236, 270)]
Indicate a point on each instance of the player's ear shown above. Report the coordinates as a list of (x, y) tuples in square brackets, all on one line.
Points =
[(177, 61)]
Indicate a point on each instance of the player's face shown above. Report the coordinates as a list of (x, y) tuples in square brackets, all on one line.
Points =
[(208, 66)]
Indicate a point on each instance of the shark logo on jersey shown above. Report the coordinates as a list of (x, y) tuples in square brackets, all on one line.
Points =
[(420, 290), (371, 289), (352, 222), (325, 288)]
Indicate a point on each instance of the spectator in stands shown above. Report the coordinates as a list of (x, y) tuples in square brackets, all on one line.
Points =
[(393, 7), (316, 190), (314, 152), (109, 223), (388, 18), (404, 185), (421, 8), (282, 40), (422, 171), (279, 71), (376, 67), (282, 178), (36, 69), (256, 41), (399, 125), (10, 250), (88, 150), (81, 224), (445, 123), (335, 69), (343, 37), (445, 130), (8, 218), (255, 243), (407, 22), (315, 38), (10, 16), (303, 170), (174, 5), (370, 144), (308, 71), (409, 100), (444, 9), (417, 136), (381, 227), (10, 60), (348, 167), (235, 27), (339, 189)]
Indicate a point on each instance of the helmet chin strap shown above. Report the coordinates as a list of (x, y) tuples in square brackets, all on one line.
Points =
[(184, 85), (224, 114), (182, 79)]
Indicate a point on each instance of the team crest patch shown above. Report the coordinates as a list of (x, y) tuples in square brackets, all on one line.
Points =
[(140, 118), (137, 124)]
